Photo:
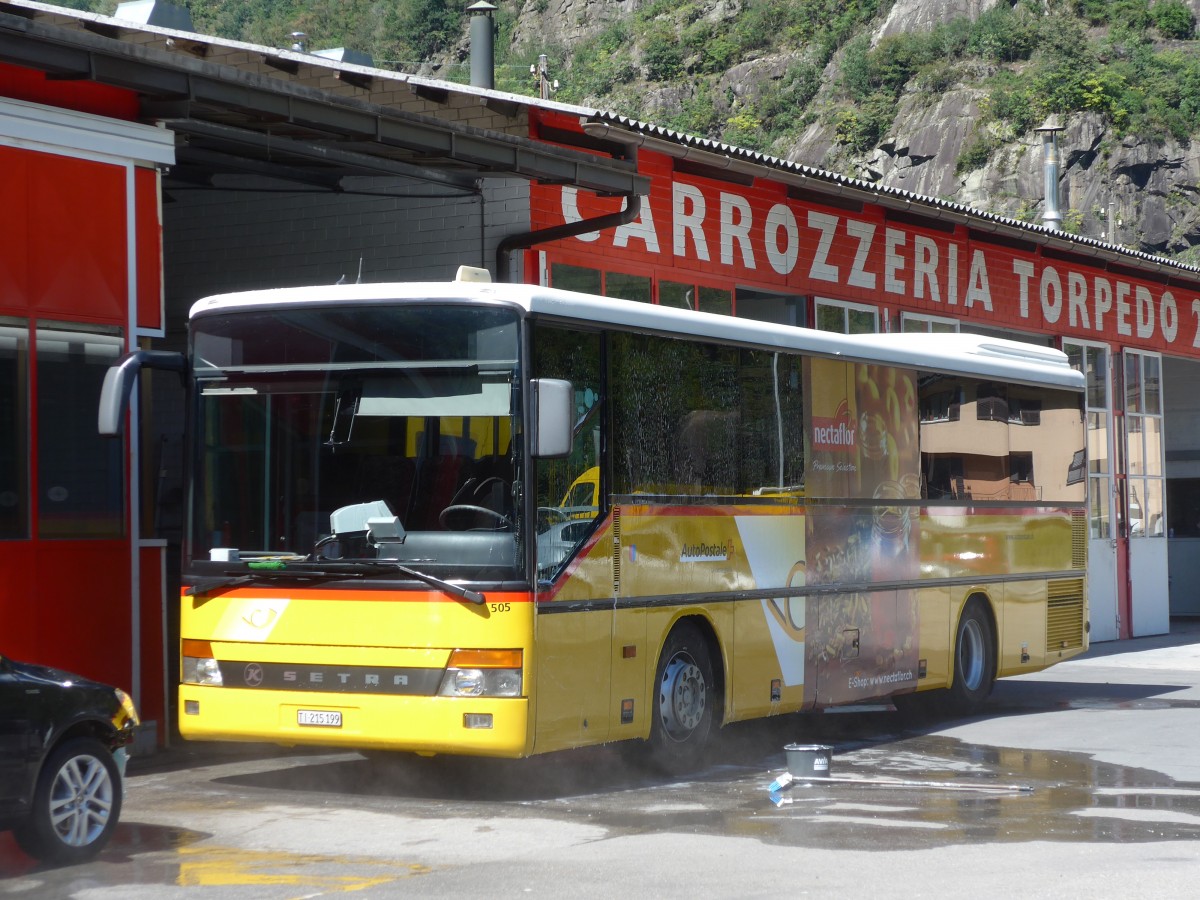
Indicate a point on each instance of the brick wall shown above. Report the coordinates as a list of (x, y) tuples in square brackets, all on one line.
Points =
[(279, 236)]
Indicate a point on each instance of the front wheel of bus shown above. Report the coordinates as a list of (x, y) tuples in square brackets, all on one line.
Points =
[(684, 696), (974, 659)]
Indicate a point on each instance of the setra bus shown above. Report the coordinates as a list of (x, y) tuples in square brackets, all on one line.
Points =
[(501, 520)]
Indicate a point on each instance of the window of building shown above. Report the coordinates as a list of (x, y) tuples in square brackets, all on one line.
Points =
[(991, 402), (1020, 467), (628, 287), (765, 306), (641, 288), (81, 475), (680, 296), (575, 278), (1093, 361), (716, 300), (911, 323), (14, 428), (846, 318), (940, 398), (1023, 410), (1143, 434)]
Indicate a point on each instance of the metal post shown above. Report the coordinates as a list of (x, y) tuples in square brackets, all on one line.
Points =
[(483, 67), (1051, 216)]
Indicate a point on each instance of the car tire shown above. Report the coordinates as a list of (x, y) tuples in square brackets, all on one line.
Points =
[(76, 804)]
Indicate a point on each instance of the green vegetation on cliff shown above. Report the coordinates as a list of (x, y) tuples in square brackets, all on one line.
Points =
[(1135, 63)]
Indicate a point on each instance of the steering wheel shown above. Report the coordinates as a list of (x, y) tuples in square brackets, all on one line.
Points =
[(470, 488), (502, 521)]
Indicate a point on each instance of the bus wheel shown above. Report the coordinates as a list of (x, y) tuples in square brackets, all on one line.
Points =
[(683, 701), (974, 659)]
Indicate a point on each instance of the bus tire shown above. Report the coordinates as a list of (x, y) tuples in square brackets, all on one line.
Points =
[(684, 697), (974, 659)]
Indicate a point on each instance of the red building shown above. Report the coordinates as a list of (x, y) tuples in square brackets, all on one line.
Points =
[(80, 282)]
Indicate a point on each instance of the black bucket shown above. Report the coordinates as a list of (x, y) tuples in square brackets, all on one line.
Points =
[(808, 760)]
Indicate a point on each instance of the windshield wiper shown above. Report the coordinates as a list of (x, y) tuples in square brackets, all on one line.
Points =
[(349, 569)]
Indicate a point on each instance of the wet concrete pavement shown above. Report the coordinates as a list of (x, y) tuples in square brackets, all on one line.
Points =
[(1081, 781)]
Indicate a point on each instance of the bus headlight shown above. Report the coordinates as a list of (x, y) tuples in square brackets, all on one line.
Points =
[(198, 664), (482, 673)]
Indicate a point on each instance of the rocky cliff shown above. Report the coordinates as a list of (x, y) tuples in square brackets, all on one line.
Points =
[(1115, 185)]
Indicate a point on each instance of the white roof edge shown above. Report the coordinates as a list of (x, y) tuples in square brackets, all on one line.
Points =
[(966, 354), (33, 124)]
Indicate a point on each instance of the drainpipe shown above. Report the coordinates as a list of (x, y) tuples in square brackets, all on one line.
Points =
[(1051, 216), (527, 239)]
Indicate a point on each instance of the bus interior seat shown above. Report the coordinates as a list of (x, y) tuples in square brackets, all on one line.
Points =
[(391, 478), (438, 480)]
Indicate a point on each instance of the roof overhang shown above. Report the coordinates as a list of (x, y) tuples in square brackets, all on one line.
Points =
[(233, 121)]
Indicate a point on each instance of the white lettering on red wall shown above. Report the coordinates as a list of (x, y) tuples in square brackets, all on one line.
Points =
[(756, 235)]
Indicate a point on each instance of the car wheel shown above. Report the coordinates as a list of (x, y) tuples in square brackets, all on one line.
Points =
[(76, 804)]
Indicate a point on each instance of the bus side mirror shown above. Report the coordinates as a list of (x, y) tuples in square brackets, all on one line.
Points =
[(552, 402), (120, 379)]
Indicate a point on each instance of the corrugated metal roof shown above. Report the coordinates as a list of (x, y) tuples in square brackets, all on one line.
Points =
[(252, 56)]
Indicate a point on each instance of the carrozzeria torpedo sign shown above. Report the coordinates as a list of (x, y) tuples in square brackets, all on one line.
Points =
[(758, 234)]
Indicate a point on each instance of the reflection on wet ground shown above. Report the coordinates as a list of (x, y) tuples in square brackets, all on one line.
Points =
[(148, 855), (1051, 796)]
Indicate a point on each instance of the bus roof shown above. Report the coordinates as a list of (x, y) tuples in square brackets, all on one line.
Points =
[(967, 354)]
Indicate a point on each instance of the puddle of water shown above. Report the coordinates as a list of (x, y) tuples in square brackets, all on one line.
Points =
[(875, 823), (1069, 798), (1073, 798)]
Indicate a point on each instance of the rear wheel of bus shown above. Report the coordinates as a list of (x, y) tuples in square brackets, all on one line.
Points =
[(684, 699), (974, 659), (974, 670)]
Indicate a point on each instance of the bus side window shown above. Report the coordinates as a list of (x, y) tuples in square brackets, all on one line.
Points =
[(567, 490)]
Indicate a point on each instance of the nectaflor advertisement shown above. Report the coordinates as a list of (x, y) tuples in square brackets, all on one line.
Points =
[(862, 433)]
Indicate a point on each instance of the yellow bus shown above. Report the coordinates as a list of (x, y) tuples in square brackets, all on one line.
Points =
[(501, 520)]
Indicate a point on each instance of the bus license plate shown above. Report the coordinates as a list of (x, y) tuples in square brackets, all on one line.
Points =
[(320, 717)]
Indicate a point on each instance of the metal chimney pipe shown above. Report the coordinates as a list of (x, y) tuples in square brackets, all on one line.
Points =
[(483, 44), (1051, 215)]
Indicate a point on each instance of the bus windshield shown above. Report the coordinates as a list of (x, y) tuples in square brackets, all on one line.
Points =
[(359, 433)]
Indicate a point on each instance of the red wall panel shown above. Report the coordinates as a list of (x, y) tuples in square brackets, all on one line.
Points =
[(64, 249), (65, 603), (77, 256), (82, 96), (151, 700), (14, 231), (149, 250)]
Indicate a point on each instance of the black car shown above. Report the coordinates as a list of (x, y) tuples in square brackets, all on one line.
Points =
[(63, 748)]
